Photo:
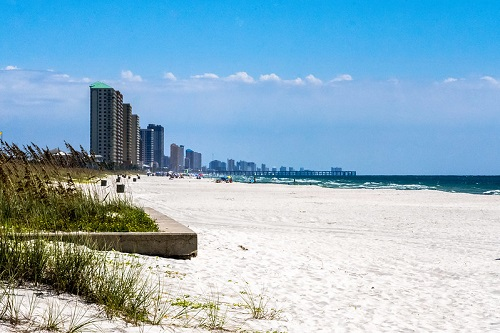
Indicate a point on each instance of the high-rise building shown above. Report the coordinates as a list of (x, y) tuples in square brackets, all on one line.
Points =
[(193, 160), (230, 165), (135, 140), (127, 133), (196, 163), (131, 136), (181, 158), (176, 157), (147, 146), (166, 161), (158, 143), (189, 158), (106, 122)]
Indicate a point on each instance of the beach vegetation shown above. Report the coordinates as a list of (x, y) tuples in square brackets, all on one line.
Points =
[(259, 304), (215, 312), (20, 312), (53, 317), (43, 191)]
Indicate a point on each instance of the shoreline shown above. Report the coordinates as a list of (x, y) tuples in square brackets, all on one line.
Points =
[(484, 185)]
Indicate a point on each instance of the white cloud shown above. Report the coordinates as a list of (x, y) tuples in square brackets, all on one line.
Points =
[(314, 80), (67, 78), (450, 80), (270, 77), (62, 77), (169, 76), (10, 68), (489, 79), (342, 77), (241, 77), (205, 76), (297, 82), (129, 76)]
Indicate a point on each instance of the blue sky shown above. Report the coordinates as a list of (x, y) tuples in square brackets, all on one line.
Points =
[(381, 87)]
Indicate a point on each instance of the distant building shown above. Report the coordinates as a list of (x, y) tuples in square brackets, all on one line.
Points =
[(283, 168), (263, 167), (106, 122), (176, 158), (196, 163), (336, 171), (290, 169), (242, 166), (135, 141), (188, 161), (193, 160), (251, 166), (217, 165), (230, 165), (166, 161), (158, 143), (131, 136), (147, 146)]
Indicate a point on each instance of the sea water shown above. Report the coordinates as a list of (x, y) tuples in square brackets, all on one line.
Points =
[(487, 185)]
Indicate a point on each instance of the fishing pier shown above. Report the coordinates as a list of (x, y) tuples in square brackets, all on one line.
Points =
[(285, 174)]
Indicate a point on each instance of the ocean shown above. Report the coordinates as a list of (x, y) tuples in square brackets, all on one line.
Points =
[(484, 185)]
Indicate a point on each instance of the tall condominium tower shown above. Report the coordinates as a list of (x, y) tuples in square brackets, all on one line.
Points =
[(158, 144), (176, 157), (193, 160), (135, 140), (106, 122), (131, 136), (147, 146)]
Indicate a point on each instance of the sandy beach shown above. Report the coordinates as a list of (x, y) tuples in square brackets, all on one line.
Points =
[(333, 260), (343, 260)]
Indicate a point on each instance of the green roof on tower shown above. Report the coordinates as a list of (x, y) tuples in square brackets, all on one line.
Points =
[(99, 85)]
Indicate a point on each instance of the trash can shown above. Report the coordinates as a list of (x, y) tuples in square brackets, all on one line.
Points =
[(104, 182), (120, 188)]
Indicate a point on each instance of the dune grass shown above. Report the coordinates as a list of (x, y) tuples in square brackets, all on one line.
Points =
[(38, 191)]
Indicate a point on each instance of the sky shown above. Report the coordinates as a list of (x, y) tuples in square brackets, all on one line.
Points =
[(379, 87)]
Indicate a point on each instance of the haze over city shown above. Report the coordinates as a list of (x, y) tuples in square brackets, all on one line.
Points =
[(389, 88)]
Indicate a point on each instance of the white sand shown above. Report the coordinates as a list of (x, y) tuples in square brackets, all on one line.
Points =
[(335, 260), (344, 260)]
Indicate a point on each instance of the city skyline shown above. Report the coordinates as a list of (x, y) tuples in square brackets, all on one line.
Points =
[(396, 87), (117, 137)]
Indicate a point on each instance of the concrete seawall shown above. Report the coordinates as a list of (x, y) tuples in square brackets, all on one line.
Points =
[(174, 240)]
